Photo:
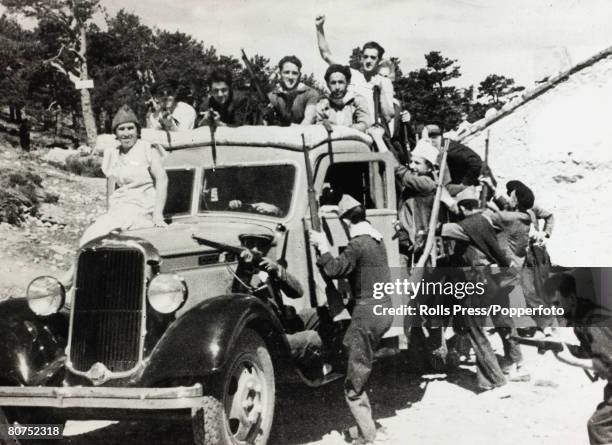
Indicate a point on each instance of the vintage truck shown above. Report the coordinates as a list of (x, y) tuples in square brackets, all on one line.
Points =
[(152, 326)]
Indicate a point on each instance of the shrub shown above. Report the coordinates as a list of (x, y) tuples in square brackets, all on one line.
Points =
[(90, 165), (19, 195)]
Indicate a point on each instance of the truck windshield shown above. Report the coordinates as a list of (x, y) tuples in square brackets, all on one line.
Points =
[(260, 189)]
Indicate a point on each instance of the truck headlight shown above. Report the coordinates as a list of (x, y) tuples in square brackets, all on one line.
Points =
[(167, 293), (46, 295)]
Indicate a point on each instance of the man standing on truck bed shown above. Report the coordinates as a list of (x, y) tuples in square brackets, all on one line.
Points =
[(223, 106), (364, 80), (364, 262), (292, 101), (342, 107)]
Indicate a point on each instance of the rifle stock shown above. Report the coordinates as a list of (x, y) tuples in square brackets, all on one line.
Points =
[(435, 211)]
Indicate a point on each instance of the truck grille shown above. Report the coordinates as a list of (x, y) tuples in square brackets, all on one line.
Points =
[(108, 312)]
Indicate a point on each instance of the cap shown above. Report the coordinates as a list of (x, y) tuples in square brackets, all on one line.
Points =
[(433, 130), (262, 241), (427, 151), (123, 116), (347, 202)]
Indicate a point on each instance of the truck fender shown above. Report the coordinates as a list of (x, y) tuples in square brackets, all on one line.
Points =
[(32, 350), (200, 341)]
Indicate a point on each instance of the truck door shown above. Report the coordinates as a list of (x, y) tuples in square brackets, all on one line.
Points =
[(369, 178)]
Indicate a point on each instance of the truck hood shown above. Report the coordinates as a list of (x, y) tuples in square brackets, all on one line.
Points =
[(177, 238)]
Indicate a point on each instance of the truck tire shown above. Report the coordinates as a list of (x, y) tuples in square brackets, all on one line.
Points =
[(239, 406)]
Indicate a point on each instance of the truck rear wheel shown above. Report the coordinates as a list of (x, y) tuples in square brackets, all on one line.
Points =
[(239, 407)]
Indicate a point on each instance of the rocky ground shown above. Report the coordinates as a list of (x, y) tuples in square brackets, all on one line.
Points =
[(45, 244), (435, 409)]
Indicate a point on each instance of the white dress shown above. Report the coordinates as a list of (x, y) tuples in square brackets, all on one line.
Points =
[(132, 203)]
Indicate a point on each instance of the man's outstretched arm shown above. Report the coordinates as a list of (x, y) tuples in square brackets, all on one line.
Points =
[(326, 53)]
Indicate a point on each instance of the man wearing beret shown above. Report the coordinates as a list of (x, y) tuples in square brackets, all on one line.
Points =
[(364, 262), (419, 187)]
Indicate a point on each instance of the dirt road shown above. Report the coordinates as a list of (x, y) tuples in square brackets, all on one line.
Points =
[(552, 408)]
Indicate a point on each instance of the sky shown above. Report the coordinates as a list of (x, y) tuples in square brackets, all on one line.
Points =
[(523, 39)]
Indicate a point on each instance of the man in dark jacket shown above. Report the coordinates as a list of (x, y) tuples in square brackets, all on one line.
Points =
[(223, 105), (464, 164), (292, 101), (269, 280), (582, 295), (364, 262)]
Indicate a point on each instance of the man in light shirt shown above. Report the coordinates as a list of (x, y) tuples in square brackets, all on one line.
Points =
[(342, 107), (167, 113), (366, 78)]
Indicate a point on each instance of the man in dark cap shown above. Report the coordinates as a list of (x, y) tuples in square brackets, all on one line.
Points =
[(293, 101), (342, 107), (265, 278), (364, 262)]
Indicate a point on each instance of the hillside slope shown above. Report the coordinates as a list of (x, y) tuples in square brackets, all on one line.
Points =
[(46, 244), (560, 144)]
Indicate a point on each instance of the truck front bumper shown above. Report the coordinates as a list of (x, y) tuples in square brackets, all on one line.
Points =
[(181, 397)]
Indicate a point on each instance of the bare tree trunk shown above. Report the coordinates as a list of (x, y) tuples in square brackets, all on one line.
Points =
[(88, 115)]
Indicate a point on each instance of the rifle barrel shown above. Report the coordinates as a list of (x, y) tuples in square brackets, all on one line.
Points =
[(312, 197), (255, 82)]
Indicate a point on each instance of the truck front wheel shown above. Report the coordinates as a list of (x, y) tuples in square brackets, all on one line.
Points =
[(239, 406)]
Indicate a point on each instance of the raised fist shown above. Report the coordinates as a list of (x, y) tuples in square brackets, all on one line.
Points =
[(320, 21)]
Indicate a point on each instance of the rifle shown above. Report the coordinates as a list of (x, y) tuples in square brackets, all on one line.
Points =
[(334, 298), (485, 171), (213, 143), (263, 97), (379, 121), (433, 219), (330, 149), (557, 346), (257, 256), (283, 258), (547, 344)]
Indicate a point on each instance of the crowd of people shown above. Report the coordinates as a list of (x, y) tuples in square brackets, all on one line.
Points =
[(484, 223)]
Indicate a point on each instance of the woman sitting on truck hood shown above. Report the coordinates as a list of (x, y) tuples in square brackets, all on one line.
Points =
[(136, 181)]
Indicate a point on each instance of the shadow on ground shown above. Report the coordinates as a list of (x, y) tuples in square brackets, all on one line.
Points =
[(302, 414)]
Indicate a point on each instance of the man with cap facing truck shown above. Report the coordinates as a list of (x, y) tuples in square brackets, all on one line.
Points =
[(418, 180), (364, 262)]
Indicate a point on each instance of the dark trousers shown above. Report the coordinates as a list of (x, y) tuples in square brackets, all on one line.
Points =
[(599, 425), (306, 344), (504, 324), (534, 274), (361, 340), (488, 372)]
